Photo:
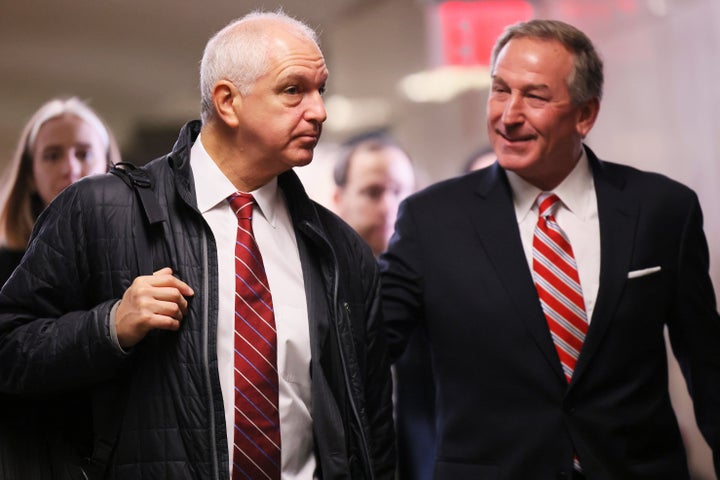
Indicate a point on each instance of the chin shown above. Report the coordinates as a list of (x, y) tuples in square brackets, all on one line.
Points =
[(515, 162), (302, 158), (305, 161)]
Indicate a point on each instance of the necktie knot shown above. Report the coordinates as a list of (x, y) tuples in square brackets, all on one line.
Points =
[(548, 204), (242, 204)]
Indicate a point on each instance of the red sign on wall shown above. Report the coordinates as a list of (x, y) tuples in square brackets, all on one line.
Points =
[(469, 29)]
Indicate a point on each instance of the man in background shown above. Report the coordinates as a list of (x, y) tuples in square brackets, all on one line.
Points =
[(372, 176)]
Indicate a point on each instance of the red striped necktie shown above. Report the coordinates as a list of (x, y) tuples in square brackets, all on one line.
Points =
[(256, 453), (558, 285)]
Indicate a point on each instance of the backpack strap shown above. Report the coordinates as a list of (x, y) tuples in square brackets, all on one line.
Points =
[(141, 181)]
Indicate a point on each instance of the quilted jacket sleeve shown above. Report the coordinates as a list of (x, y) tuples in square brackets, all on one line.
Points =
[(54, 310)]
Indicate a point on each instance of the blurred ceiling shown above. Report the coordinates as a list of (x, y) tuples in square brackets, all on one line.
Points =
[(135, 61)]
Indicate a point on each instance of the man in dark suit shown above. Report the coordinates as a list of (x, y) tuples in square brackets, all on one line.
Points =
[(546, 329)]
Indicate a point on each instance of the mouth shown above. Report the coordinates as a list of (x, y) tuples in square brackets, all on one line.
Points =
[(515, 139), (309, 140), (311, 134)]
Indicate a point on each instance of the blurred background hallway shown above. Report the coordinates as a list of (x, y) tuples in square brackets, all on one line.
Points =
[(417, 68)]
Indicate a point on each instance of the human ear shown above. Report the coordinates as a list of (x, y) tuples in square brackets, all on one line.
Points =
[(587, 116), (226, 99)]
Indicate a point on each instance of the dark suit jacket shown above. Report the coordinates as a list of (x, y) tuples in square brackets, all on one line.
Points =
[(456, 267)]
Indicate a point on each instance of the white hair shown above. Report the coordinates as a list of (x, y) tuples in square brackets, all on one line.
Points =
[(240, 52)]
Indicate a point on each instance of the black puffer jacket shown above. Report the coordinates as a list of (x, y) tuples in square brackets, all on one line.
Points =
[(56, 346)]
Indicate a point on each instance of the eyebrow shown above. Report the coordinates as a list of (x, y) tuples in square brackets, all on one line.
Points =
[(525, 88), (292, 77), (56, 146), (299, 77)]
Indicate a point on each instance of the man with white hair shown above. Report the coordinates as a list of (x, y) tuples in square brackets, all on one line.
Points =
[(230, 330)]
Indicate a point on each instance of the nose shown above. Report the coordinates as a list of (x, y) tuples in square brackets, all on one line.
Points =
[(72, 166), (513, 111), (316, 108), (384, 204), (389, 204)]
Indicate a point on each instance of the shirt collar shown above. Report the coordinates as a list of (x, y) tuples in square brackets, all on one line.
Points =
[(576, 191), (212, 187)]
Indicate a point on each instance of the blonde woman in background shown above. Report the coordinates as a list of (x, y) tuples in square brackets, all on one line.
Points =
[(64, 141)]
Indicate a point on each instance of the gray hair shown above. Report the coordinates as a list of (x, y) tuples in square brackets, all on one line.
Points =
[(240, 53), (586, 78)]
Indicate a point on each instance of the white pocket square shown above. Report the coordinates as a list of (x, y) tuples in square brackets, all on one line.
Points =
[(643, 272)]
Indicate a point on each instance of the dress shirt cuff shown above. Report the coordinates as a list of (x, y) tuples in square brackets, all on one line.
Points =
[(112, 326)]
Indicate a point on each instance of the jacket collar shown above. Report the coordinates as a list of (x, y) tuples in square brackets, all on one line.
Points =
[(299, 204), (618, 212), (302, 208), (179, 160), (496, 225)]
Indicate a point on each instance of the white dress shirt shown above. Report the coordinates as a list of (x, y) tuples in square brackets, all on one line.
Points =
[(577, 216), (278, 247)]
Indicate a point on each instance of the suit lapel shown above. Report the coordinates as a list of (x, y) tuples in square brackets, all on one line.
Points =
[(495, 222), (617, 214)]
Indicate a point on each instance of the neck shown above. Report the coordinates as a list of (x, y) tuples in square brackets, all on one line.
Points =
[(234, 161)]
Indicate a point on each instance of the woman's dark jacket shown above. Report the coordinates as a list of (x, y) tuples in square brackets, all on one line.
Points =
[(163, 397)]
